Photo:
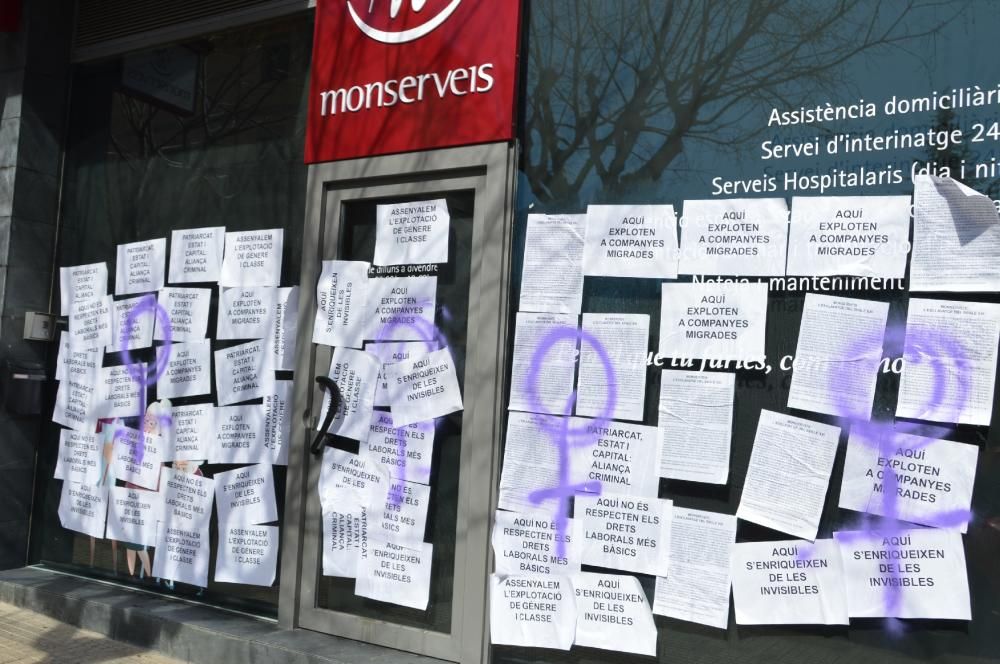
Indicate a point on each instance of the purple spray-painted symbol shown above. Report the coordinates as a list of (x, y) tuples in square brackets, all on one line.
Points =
[(433, 339), (941, 361), (560, 429), (143, 376)]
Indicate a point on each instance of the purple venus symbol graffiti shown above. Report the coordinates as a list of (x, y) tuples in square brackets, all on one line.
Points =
[(560, 430), (138, 371), (941, 358), (397, 329)]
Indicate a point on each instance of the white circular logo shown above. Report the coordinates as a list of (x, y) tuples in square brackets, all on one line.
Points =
[(402, 36)]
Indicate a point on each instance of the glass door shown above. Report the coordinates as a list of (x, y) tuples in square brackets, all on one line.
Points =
[(361, 572)]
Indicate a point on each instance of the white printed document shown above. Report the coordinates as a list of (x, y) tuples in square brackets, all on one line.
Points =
[(347, 484), (527, 543), (864, 236), (246, 495), (837, 356), (696, 585), (247, 312), (243, 372), (613, 352), (411, 233), (391, 352), (281, 338), (956, 238), (119, 395), (638, 241), (612, 614), (188, 369), (278, 422), (696, 425), (77, 394), (138, 457), (182, 553), (341, 304), (346, 515), (396, 575), (246, 554), (355, 372), (545, 347), (422, 388), (399, 513), (196, 254), (81, 283), (191, 431), (83, 508), (239, 435), (133, 515), (949, 361), (532, 611), (552, 275), (714, 321), (90, 323), (401, 309), (744, 237), (918, 573), (253, 258), (624, 457), (625, 532), (140, 333), (789, 473), (791, 582), (140, 267), (187, 497), (531, 460), (404, 452), (908, 477), (186, 314), (79, 458)]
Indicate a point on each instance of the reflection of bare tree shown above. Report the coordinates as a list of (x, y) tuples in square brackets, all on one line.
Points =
[(957, 155), (626, 84), (172, 166)]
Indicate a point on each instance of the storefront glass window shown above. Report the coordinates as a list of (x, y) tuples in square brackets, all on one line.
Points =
[(204, 133), (650, 102)]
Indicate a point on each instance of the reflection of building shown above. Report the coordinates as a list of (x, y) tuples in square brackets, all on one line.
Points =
[(125, 121)]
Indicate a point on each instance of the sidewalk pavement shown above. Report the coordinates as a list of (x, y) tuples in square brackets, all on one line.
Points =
[(26, 636)]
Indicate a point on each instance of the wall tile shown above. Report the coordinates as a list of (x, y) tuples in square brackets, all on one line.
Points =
[(27, 290), (12, 50), (5, 223), (15, 492), (11, 82), (9, 132), (6, 191), (36, 196), (42, 120), (31, 244), (20, 437), (13, 543)]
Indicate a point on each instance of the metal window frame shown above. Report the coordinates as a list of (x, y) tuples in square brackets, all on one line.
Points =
[(490, 170)]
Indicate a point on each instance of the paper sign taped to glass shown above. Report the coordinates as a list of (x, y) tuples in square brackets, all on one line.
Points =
[(423, 388), (713, 321), (412, 233)]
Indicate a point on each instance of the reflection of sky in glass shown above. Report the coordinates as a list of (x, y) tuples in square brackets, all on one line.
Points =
[(939, 58)]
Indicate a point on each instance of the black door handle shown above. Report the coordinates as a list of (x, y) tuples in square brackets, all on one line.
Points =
[(335, 400)]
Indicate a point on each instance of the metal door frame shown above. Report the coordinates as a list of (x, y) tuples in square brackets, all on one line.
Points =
[(490, 171)]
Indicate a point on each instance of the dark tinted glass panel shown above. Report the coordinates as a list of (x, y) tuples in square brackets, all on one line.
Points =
[(451, 321), (207, 132), (662, 102)]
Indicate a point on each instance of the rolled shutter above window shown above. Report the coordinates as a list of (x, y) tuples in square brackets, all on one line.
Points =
[(106, 27)]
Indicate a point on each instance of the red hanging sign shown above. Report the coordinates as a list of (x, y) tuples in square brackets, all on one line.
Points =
[(394, 76), (10, 15)]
